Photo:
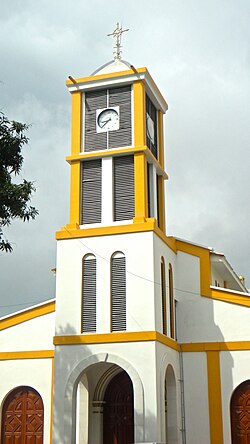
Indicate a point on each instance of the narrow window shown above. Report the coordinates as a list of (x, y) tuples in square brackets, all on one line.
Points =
[(163, 297), (124, 205), (91, 205), (118, 292), (89, 294), (151, 124), (171, 301)]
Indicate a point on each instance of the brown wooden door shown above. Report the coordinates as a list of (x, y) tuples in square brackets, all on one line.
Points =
[(118, 415), (22, 419), (240, 414)]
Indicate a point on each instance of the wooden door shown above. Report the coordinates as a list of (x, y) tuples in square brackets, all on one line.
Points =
[(22, 419), (240, 414), (118, 415)]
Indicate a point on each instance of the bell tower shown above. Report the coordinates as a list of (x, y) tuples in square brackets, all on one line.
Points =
[(117, 155), (112, 315)]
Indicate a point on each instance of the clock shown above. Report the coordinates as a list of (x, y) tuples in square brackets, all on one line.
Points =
[(107, 119), (150, 128)]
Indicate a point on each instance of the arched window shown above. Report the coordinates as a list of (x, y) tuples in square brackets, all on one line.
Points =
[(89, 294), (171, 301), (163, 297), (23, 416), (118, 292)]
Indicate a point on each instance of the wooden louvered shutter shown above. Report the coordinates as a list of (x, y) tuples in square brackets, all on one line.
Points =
[(118, 293), (94, 100), (91, 201), (121, 97), (124, 202), (89, 294)]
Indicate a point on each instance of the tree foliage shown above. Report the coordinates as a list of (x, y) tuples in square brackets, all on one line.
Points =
[(14, 197)]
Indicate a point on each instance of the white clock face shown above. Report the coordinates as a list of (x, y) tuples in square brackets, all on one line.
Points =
[(107, 119), (150, 129)]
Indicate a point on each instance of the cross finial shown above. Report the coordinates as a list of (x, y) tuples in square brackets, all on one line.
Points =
[(117, 33)]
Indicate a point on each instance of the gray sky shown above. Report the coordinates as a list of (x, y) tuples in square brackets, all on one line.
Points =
[(197, 51)]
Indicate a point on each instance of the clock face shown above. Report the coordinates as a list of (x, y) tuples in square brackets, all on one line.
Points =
[(107, 119), (150, 128)]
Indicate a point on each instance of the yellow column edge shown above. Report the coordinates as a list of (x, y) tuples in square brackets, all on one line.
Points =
[(214, 397)]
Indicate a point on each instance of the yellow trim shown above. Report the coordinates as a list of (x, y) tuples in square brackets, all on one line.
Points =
[(68, 232), (140, 186), (105, 153), (214, 397), (52, 400), (205, 271), (139, 113), (161, 200), (75, 189), (225, 296), (28, 314), (113, 75), (110, 75), (160, 139), (110, 338), (215, 346), (33, 354), (76, 122)]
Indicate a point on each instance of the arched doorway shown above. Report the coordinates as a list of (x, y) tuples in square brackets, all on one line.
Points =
[(118, 413), (170, 407), (22, 418), (240, 414)]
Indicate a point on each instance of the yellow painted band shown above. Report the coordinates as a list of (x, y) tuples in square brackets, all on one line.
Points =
[(205, 270), (28, 314), (76, 122), (215, 346), (139, 113), (149, 225), (33, 354), (110, 75), (109, 338), (214, 397), (140, 185), (161, 203), (226, 296), (75, 190)]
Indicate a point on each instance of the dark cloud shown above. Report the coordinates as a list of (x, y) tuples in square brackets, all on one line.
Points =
[(197, 52)]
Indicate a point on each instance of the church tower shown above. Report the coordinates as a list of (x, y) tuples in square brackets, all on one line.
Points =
[(114, 318)]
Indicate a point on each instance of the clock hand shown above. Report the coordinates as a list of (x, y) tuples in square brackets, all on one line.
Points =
[(105, 122)]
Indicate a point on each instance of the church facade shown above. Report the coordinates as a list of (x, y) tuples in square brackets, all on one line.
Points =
[(148, 338)]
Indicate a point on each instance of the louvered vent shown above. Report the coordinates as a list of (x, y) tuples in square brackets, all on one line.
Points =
[(151, 111), (89, 295), (108, 98), (91, 201), (118, 293), (124, 206), (121, 97), (94, 100)]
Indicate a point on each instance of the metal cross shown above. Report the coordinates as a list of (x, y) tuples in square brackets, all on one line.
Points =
[(117, 33)]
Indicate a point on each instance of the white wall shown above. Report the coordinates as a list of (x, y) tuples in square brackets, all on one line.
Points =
[(34, 334), (196, 398), (138, 249)]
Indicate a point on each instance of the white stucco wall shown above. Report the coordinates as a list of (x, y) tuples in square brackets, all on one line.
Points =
[(138, 249), (34, 334), (196, 398)]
